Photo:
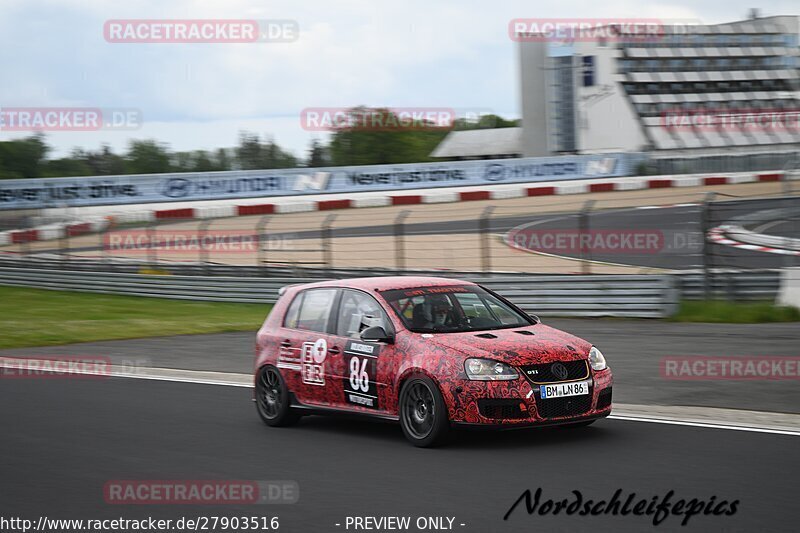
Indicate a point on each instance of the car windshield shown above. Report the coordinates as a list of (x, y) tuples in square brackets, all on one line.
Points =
[(453, 309)]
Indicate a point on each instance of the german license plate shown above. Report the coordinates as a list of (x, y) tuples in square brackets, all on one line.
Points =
[(559, 390)]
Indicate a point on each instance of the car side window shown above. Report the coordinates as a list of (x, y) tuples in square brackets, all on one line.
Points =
[(405, 306), (292, 314), (357, 312), (506, 315), (473, 306), (315, 310)]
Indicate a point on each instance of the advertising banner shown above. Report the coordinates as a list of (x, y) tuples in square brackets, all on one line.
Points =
[(147, 188)]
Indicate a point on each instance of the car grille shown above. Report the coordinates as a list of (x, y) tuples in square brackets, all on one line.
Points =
[(499, 409), (567, 406), (604, 398), (544, 373)]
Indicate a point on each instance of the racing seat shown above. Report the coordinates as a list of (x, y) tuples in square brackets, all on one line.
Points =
[(420, 316)]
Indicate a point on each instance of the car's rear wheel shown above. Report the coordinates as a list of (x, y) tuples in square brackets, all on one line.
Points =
[(423, 414), (272, 398)]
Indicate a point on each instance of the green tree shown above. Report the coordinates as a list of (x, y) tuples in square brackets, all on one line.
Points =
[(74, 165), (195, 161), (23, 158), (103, 162), (223, 159), (252, 154), (379, 136), (148, 157), (317, 154)]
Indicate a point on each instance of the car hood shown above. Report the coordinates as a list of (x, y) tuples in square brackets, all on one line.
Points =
[(510, 346)]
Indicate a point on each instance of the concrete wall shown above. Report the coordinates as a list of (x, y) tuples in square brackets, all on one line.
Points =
[(606, 118), (533, 78)]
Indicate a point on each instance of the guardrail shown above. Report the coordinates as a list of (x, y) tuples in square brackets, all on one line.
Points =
[(619, 295), (740, 285), (564, 295)]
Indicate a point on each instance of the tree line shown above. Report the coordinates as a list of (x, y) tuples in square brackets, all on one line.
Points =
[(29, 157)]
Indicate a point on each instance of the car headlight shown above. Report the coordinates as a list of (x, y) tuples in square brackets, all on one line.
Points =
[(489, 370), (596, 359)]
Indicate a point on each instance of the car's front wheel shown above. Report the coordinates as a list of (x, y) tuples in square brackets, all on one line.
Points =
[(272, 398), (423, 414)]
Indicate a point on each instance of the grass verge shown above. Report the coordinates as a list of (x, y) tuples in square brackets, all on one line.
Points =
[(721, 311), (37, 317)]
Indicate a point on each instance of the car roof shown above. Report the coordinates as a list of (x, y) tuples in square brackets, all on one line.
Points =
[(385, 283)]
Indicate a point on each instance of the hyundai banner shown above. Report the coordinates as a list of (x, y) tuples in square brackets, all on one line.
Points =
[(147, 188)]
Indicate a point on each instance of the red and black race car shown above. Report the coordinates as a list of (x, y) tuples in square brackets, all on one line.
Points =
[(429, 352)]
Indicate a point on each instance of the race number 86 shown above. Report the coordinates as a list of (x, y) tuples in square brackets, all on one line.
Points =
[(359, 378)]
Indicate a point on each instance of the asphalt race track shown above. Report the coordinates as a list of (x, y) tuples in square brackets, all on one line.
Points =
[(634, 349), (64, 439)]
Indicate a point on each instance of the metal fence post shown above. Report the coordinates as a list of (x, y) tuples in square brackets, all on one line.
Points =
[(399, 240), (63, 245), (152, 254), (327, 252), (484, 223), (261, 238), (705, 223), (106, 257), (25, 243), (203, 251), (583, 229)]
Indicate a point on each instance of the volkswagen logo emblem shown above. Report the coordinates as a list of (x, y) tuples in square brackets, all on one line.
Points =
[(559, 371)]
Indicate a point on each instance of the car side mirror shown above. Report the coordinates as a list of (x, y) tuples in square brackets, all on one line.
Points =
[(536, 319), (376, 334)]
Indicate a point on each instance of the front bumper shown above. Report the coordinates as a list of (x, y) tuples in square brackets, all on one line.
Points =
[(518, 403)]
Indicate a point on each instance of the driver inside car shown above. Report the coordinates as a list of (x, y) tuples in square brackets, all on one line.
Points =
[(436, 312)]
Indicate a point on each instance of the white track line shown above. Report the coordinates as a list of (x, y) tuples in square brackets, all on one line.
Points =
[(229, 379), (711, 425)]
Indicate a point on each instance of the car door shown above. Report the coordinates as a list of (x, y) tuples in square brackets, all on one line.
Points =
[(361, 371), (305, 350)]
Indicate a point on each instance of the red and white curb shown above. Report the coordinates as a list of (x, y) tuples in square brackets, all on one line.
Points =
[(54, 231), (240, 207), (721, 235)]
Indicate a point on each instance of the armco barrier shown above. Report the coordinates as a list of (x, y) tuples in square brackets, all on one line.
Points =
[(619, 295), (650, 296), (745, 285)]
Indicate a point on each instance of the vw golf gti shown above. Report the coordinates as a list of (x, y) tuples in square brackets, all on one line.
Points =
[(431, 353)]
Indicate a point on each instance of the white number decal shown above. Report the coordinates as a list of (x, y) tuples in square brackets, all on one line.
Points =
[(359, 379)]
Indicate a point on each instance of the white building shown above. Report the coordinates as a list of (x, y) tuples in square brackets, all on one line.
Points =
[(701, 91)]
